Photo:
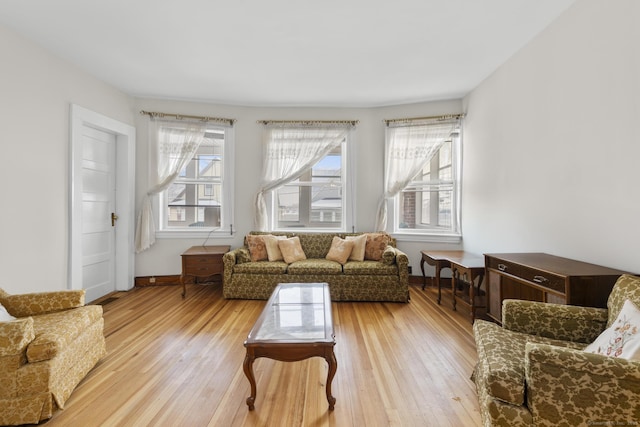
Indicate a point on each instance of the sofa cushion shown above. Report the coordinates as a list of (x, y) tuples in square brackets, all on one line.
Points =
[(261, 267), (257, 248), (340, 250), (316, 245), (375, 246), (273, 250), (291, 250), (359, 243), (622, 338), (315, 266), (502, 352), (54, 331), (355, 268)]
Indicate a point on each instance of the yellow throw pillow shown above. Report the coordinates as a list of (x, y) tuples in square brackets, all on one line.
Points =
[(376, 244), (340, 250), (257, 247), (291, 250), (359, 243), (273, 250)]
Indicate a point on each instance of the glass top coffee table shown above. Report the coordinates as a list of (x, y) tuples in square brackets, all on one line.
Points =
[(296, 324)]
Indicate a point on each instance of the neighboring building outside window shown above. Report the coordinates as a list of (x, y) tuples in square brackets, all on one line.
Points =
[(428, 207), (199, 200), (307, 172)]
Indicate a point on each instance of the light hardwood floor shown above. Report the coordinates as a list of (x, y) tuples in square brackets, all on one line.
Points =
[(175, 362)]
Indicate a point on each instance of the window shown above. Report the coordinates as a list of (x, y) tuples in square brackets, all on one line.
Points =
[(199, 199), (307, 177), (429, 203), (315, 198)]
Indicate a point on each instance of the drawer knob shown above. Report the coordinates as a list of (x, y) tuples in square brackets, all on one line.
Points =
[(540, 279), (502, 267)]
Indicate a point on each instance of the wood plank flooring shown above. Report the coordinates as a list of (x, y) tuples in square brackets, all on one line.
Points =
[(175, 362)]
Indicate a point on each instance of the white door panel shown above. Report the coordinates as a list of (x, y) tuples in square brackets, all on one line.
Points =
[(98, 203)]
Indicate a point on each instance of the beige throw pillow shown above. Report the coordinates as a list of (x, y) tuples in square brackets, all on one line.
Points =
[(257, 247), (376, 244), (359, 243), (273, 250), (340, 250), (291, 250)]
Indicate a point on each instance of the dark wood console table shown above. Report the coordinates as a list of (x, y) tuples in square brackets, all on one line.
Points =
[(546, 278), (202, 261)]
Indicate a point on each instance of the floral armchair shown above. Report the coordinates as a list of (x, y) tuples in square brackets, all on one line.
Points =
[(538, 370), (48, 342)]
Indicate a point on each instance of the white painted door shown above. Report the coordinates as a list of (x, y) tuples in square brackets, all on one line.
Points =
[(98, 212)]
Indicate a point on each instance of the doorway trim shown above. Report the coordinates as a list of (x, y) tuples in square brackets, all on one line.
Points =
[(125, 195)]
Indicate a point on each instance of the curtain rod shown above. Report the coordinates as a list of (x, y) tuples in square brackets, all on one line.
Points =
[(308, 122), (443, 117), (186, 116)]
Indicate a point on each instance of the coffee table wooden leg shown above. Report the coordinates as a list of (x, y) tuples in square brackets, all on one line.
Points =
[(333, 367), (248, 371)]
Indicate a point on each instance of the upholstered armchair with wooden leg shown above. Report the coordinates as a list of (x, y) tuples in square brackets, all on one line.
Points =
[(554, 365), (48, 342)]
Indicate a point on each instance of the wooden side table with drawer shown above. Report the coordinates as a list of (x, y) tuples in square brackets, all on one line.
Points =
[(546, 278), (202, 261)]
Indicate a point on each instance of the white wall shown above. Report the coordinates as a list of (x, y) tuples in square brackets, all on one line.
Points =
[(552, 142), (36, 90), (164, 257)]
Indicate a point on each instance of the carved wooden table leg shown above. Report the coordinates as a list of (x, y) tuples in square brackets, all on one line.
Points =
[(333, 367), (248, 371)]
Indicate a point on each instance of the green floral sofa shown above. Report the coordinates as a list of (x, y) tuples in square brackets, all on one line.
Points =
[(533, 371), (383, 280), (49, 341)]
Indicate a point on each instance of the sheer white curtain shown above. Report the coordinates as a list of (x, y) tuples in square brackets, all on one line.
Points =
[(410, 146), (289, 151), (172, 145)]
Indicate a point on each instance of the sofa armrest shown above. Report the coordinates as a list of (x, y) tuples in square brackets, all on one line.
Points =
[(403, 266), (23, 305), (556, 321), (15, 336), (585, 388)]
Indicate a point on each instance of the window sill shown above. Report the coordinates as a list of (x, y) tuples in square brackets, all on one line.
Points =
[(431, 238), (193, 234)]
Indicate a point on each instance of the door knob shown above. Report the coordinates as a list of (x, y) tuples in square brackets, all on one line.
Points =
[(114, 218)]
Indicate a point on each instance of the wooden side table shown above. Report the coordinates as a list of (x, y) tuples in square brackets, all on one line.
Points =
[(468, 269), (202, 261), (439, 259)]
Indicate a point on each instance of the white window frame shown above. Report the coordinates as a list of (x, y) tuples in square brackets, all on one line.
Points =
[(433, 233), (347, 172), (226, 213)]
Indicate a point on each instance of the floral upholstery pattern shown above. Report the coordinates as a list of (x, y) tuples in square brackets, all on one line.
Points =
[(532, 370), (556, 321), (383, 280), (46, 352), (626, 288)]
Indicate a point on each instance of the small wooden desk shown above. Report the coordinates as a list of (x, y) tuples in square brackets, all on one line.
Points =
[(468, 269), (202, 261), (439, 259)]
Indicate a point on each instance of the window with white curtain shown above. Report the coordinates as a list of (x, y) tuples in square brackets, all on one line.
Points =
[(423, 178), (306, 177), (200, 197)]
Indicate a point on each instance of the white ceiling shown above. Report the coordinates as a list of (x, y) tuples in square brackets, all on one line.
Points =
[(339, 53)]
